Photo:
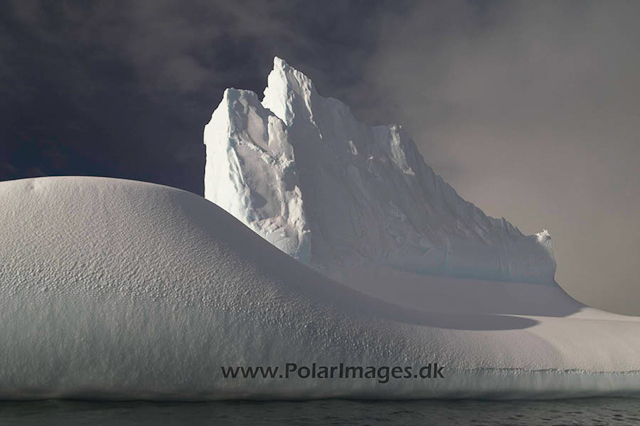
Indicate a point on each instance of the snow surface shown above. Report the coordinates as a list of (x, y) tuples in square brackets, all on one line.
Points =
[(121, 289), (348, 199)]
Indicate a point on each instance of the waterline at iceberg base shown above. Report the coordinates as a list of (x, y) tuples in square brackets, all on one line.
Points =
[(115, 289)]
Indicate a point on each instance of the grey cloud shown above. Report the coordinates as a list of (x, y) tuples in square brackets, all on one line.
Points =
[(185, 47), (171, 45), (537, 104)]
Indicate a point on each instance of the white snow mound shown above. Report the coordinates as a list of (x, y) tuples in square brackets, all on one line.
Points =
[(346, 198), (128, 290)]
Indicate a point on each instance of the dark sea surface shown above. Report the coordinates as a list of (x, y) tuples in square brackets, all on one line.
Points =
[(595, 411)]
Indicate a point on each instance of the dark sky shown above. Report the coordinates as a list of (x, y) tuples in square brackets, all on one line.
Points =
[(125, 89), (529, 109)]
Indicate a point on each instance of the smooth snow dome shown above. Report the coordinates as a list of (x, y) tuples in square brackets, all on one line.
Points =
[(347, 198), (129, 290)]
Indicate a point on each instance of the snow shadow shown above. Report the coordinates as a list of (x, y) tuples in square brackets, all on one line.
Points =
[(301, 281)]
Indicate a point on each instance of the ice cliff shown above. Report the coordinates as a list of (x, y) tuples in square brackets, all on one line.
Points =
[(300, 170)]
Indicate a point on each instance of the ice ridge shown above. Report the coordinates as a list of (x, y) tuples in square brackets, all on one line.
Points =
[(300, 170)]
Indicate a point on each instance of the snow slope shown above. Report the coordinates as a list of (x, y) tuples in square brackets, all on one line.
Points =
[(347, 198), (121, 289)]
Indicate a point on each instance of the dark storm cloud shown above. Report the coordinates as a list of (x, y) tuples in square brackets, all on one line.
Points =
[(531, 109), (177, 46), (124, 88)]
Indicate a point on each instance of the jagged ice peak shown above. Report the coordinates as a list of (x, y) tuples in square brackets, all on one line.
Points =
[(343, 197)]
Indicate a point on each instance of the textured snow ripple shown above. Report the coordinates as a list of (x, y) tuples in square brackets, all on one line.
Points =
[(120, 289)]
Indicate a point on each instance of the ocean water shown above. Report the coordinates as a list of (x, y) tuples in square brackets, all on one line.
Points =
[(594, 411)]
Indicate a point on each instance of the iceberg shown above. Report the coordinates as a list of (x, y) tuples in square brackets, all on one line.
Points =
[(115, 289), (356, 203), (332, 263)]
